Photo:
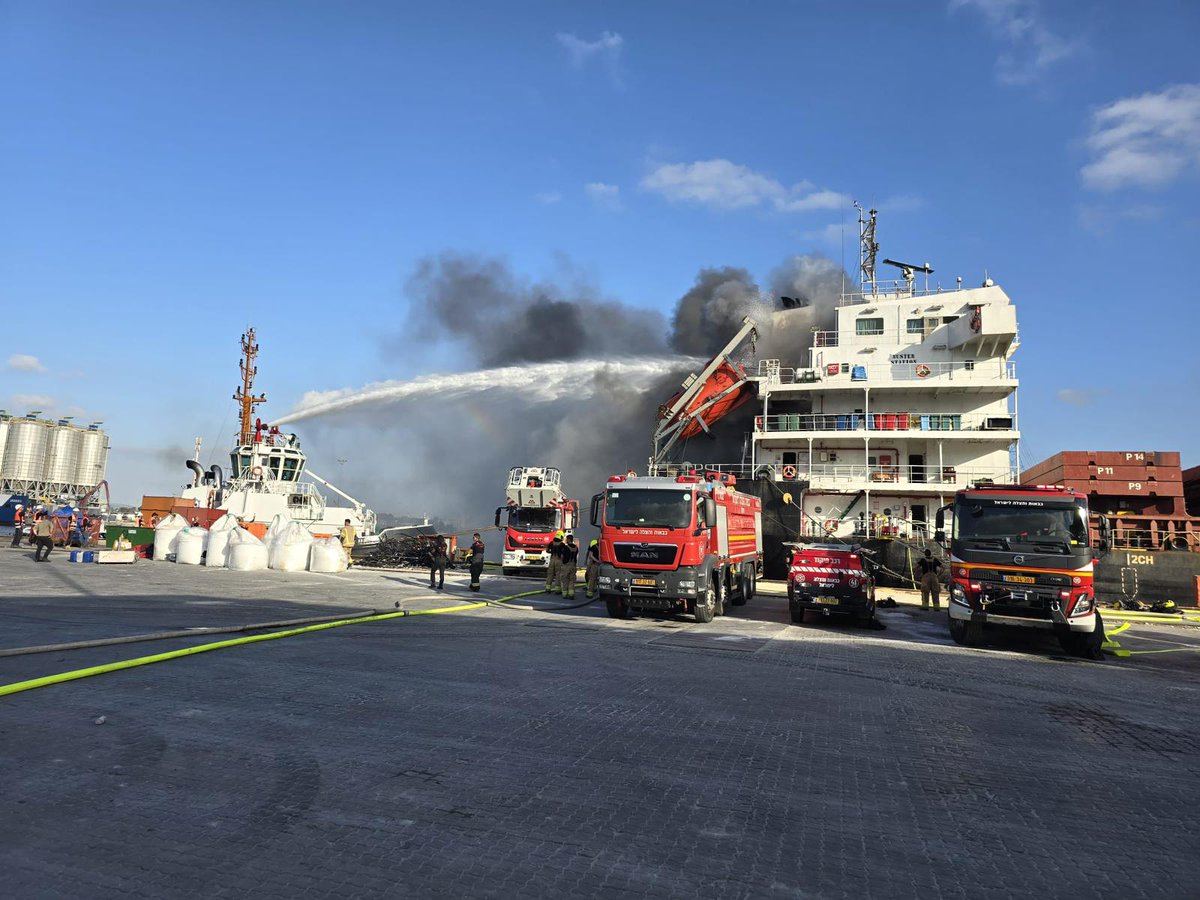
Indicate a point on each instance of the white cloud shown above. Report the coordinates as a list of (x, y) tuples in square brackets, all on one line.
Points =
[(1079, 396), (23, 403), (726, 185), (605, 196), (902, 203), (1032, 48), (606, 50), (548, 198), (1099, 220), (21, 362), (1144, 141)]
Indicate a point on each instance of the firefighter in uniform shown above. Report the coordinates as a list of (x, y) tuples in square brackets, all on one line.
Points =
[(555, 563), (569, 560), (437, 565), (591, 575), (929, 569), (476, 560), (346, 535)]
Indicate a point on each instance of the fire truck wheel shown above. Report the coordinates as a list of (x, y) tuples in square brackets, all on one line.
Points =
[(966, 634), (617, 608), (744, 590), (706, 605), (797, 615)]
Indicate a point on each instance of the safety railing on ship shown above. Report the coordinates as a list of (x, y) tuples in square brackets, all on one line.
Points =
[(836, 373), (889, 421)]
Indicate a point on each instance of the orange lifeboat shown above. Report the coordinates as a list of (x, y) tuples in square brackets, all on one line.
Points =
[(726, 376)]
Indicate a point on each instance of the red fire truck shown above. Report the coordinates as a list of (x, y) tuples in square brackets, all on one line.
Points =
[(688, 543), (1020, 556), (536, 508)]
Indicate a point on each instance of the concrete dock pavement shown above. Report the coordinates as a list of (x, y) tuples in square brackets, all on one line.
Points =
[(544, 753)]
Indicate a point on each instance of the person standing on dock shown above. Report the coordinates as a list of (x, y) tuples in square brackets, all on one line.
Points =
[(41, 537), (476, 563), (554, 564), (569, 554), (591, 574), (18, 524), (346, 536), (437, 565), (929, 569)]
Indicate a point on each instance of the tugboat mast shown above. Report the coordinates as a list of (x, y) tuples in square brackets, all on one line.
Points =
[(245, 392)]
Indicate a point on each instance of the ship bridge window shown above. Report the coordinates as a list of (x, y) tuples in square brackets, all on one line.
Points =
[(915, 326), (868, 326), (273, 463), (290, 465)]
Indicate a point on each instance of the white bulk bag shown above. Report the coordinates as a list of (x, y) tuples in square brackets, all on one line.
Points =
[(166, 535), (218, 540), (289, 552), (190, 545), (246, 553), (276, 528), (327, 556)]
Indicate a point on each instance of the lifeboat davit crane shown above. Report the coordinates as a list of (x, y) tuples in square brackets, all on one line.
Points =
[(719, 389)]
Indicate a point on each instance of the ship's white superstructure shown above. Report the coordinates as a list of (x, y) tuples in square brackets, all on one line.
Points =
[(878, 421)]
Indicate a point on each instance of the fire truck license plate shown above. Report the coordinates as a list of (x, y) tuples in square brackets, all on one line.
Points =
[(1019, 579), (828, 601), (644, 582)]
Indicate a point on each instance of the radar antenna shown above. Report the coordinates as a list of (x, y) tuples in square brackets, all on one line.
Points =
[(908, 270)]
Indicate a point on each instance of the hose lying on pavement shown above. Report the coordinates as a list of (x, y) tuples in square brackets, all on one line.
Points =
[(46, 681)]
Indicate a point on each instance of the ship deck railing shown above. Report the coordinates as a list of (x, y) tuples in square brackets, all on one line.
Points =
[(883, 422), (982, 371), (827, 474), (893, 289), (1135, 533)]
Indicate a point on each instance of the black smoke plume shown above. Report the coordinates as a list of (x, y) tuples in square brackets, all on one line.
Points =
[(450, 458)]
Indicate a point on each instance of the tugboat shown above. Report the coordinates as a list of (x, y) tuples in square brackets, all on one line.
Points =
[(266, 467)]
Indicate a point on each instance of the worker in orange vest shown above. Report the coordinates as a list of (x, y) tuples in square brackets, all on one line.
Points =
[(18, 524)]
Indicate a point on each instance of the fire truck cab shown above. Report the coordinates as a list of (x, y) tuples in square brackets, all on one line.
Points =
[(535, 508), (1020, 556), (688, 544)]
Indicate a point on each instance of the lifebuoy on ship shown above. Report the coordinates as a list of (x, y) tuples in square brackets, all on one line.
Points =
[(922, 370), (256, 471), (789, 472), (831, 524)]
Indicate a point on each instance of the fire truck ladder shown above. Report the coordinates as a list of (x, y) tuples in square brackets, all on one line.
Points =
[(675, 421)]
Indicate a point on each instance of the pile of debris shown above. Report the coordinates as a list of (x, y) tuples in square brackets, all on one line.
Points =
[(404, 551)]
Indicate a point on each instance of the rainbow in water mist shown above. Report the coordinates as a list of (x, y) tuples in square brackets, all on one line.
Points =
[(533, 382)]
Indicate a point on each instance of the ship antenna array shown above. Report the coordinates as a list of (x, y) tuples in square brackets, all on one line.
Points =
[(245, 392), (867, 248)]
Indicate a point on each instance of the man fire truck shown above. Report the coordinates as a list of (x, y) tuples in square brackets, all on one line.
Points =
[(688, 543), (1020, 555), (536, 508)]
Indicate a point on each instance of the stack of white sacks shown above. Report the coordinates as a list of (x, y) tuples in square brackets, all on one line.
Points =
[(288, 546)]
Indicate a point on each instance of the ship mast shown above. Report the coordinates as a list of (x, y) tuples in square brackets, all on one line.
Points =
[(245, 392)]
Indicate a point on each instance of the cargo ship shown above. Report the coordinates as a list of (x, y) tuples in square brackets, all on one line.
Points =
[(908, 395), (265, 475)]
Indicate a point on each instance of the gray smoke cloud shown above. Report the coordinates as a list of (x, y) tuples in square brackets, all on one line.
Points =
[(503, 318), (448, 455)]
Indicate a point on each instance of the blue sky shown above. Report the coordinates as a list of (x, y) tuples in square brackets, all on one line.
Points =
[(174, 171)]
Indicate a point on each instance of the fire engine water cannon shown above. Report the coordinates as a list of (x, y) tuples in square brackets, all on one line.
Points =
[(535, 508), (689, 544), (719, 389)]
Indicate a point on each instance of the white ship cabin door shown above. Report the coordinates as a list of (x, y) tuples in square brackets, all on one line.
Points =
[(919, 522), (797, 458), (916, 469)]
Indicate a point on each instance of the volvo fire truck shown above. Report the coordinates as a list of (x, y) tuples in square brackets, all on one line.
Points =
[(1020, 555), (683, 544), (535, 508)]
